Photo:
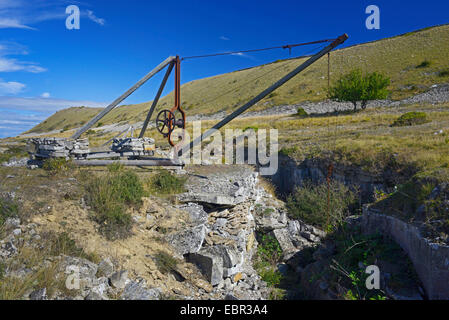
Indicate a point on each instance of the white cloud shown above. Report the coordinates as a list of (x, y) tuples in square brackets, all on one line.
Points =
[(45, 95), (13, 23), (91, 16), (12, 65), (21, 114), (8, 64), (45, 105), (224, 38), (11, 87), (243, 55), (23, 14)]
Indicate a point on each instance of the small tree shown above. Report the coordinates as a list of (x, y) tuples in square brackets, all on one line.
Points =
[(355, 87)]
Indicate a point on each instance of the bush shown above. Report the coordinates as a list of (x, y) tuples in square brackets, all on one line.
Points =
[(251, 128), (269, 250), (165, 182), (410, 119), (271, 276), (269, 254), (443, 73), (110, 196), (57, 165), (288, 151), (165, 262), (424, 64), (310, 204), (354, 87), (301, 113)]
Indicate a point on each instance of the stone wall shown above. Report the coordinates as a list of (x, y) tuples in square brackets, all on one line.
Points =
[(292, 174), (431, 260)]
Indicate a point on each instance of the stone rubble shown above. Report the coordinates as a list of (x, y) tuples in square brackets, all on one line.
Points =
[(225, 256), (137, 145), (58, 147)]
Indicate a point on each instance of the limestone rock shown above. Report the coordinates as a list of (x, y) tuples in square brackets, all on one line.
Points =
[(98, 292), (119, 279), (227, 187), (196, 212), (85, 268), (40, 294), (138, 291), (210, 264), (12, 223), (268, 222), (188, 241), (283, 237), (105, 268)]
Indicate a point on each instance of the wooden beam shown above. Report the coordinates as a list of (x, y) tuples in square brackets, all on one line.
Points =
[(156, 99), (137, 163), (106, 110)]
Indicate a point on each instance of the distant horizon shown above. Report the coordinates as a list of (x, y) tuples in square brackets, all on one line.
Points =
[(44, 67)]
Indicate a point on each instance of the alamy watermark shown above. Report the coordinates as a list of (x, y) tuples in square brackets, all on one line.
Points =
[(237, 147), (72, 281), (373, 280), (73, 20), (372, 22)]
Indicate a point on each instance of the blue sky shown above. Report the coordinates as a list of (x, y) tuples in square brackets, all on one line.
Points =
[(45, 67)]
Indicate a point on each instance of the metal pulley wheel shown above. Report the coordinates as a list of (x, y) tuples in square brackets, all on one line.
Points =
[(165, 122)]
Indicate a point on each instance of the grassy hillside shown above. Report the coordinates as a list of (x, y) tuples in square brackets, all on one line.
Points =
[(413, 61), (67, 118)]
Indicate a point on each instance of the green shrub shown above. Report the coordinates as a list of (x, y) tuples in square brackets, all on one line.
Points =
[(410, 119), (165, 262), (110, 196), (301, 113), (356, 87), (269, 254), (8, 209), (310, 204), (424, 64), (269, 251), (443, 73), (271, 276), (268, 211), (164, 182), (251, 127), (288, 151), (57, 165)]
